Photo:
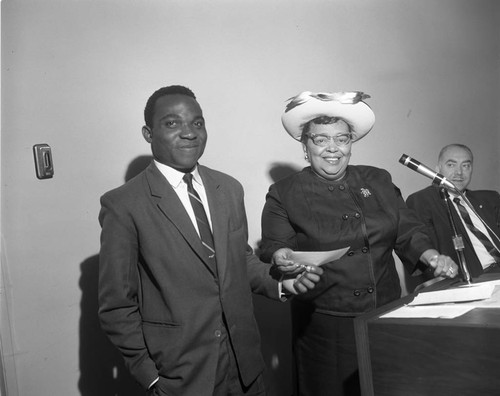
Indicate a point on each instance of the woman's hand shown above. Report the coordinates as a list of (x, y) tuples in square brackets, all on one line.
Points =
[(304, 282), (442, 265)]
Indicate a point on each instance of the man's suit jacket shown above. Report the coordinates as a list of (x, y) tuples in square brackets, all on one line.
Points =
[(159, 301), (431, 209)]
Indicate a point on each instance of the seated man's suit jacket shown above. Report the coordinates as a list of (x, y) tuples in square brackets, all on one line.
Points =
[(160, 302), (431, 209)]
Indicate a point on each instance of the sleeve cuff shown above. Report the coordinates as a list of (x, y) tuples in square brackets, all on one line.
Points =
[(153, 383), (283, 293)]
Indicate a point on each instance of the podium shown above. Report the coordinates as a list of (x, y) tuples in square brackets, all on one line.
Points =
[(429, 357)]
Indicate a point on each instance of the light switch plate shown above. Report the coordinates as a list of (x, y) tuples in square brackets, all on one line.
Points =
[(43, 161)]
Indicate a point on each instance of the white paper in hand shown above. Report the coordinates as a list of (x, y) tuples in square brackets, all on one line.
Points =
[(318, 258)]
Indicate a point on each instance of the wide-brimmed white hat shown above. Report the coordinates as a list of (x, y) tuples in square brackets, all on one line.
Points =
[(348, 106)]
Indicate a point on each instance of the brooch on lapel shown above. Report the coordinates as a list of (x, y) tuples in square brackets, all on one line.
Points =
[(365, 192)]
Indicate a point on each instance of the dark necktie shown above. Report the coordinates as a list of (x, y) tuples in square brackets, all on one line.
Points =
[(201, 217), (478, 233)]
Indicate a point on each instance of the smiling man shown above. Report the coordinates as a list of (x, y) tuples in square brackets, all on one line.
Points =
[(176, 272), (455, 162)]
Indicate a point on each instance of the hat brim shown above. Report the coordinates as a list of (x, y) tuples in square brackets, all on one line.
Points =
[(359, 116)]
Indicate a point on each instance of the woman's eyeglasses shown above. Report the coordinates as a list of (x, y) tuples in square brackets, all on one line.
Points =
[(324, 140)]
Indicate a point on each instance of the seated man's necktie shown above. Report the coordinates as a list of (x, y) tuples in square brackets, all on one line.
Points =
[(478, 233)]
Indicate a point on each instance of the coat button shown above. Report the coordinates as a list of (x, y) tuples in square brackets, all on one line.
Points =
[(345, 216), (342, 187), (218, 333), (364, 250), (356, 292), (331, 188), (357, 215), (350, 253), (370, 290)]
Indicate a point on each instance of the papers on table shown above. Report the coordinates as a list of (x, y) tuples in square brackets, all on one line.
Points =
[(428, 311), (450, 303), (318, 258), (480, 291)]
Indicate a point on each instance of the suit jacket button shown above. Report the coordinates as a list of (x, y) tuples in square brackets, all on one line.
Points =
[(345, 216), (350, 253), (370, 290), (364, 250), (356, 293), (218, 333)]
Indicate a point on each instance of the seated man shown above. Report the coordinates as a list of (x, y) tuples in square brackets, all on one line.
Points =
[(481, 246)]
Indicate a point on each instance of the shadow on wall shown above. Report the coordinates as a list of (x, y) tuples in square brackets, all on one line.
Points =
[(273, 318), (102, 371)]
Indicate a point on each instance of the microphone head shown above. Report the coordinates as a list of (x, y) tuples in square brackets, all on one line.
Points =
[(403, 159)]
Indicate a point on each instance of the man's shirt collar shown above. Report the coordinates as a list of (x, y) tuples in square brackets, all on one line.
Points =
[(174, 176)]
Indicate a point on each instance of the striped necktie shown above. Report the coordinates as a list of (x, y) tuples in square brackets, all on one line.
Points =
[(201, 217), (492, 250)]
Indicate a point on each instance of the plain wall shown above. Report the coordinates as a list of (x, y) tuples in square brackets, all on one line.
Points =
[(76, 75)]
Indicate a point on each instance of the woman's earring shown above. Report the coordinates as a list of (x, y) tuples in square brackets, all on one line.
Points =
[(306, 157)]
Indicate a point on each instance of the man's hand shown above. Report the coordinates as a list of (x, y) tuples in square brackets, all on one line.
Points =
[(297, 278), (285, 265)]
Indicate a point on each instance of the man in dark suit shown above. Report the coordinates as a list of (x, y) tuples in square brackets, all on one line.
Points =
[(175, 300), (455, 162)]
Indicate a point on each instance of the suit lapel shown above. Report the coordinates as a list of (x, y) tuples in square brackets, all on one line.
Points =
[(440, 201), (478, 205), (456, 218), (170, 205), (217, 203)]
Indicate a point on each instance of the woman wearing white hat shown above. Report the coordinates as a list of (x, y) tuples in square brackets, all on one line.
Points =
[(331, 205)]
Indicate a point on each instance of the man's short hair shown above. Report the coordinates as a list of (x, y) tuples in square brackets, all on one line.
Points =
[(170, 90), (462, 146)]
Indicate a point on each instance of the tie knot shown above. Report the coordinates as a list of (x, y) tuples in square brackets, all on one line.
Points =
[(188, 179), (457, 201)]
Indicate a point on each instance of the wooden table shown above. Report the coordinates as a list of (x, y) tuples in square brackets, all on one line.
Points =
[(427, 357)]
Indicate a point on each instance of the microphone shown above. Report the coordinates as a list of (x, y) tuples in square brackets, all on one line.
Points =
[(437, 178)]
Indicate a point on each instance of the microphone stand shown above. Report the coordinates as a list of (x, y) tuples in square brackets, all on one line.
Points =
[(458, 242)]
